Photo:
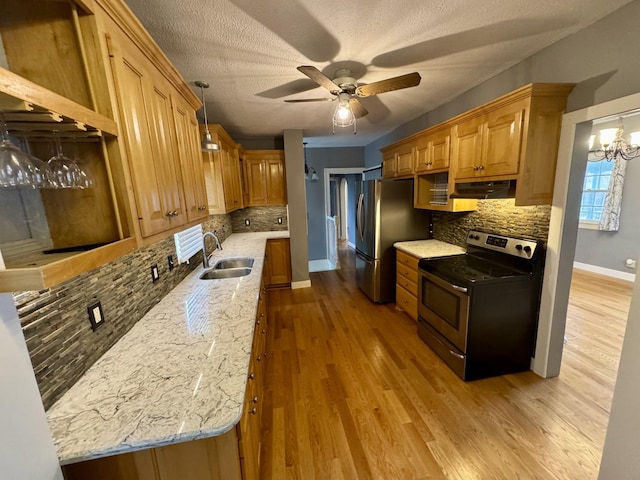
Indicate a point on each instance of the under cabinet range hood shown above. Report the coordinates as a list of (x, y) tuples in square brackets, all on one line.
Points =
[(485, 190)]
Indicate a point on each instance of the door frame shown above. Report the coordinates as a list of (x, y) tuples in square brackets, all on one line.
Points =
[(563, 231), (327, 191)]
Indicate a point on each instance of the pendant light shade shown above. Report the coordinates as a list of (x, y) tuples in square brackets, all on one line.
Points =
[(207, 144)]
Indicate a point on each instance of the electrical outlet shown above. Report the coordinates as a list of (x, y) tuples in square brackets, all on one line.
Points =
[(279, 220), (247, 222), (96, 316), (630, 263), (155, 273), (170, 262)]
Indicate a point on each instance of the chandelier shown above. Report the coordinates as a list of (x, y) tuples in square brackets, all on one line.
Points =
[(613, 145)]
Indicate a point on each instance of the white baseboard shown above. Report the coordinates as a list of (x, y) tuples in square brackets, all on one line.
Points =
[(609, 272), (352, 245), (301, 284)]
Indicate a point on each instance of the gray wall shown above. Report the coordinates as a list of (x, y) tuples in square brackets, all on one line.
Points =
[(296, 197), (611, 249), (321, 158), (601, 59)]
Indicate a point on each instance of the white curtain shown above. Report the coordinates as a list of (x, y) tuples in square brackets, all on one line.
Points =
[(610, 218)]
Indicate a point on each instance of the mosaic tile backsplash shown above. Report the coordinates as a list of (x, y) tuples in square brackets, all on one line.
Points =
[(261, 219), (56, 324), (493, 216)]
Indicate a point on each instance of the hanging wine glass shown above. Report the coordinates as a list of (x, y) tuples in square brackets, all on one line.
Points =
[(15, 167), (64, 171), (40, 173), (86, 179)]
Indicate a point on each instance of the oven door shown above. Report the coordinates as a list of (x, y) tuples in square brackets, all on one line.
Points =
[(445, 307)]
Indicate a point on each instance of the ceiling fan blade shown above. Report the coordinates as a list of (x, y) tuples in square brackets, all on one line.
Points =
[(317, 76), (302, 100), (388, 85), (357, 108)]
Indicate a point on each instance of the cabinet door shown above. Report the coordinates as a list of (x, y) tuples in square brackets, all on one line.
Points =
[(256, 176), (404, 162), (467, 147), (501, 142), (389, 165), (187, 133), (276, 184), (131, 83), (439, 150), (165, 151), (279, 256)]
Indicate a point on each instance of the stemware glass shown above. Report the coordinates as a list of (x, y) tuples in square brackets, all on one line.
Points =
[(16, 170), (40, 172), (64, 171)]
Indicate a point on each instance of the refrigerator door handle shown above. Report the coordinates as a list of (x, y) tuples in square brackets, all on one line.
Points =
[(359, 216)]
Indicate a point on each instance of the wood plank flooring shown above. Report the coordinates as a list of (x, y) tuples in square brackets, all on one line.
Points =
[(353, 393)]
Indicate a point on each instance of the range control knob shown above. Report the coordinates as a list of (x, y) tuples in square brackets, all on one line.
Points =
[(527, 249), (519, 247)]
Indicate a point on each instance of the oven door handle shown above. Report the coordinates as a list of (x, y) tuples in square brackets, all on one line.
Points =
[(443, 283)]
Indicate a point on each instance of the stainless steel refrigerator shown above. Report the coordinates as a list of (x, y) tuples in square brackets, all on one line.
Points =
[(384, 215)]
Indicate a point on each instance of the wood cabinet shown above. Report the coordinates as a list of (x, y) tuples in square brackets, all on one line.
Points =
[(265, 177), (149, 131), (432, 150), (215, 458), (222, 172), (515, 137), (251, 421), (60, 87), (407, 283), (398, 160), (278, 262), (191, 165), (489, 145)]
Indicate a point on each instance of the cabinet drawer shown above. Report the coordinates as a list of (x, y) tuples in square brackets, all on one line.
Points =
[(406, 259), (407, 266), (407, 302), (409, 285)]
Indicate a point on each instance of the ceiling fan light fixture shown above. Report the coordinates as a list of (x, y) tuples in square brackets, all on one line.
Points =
[(207, 144), (343, 115)]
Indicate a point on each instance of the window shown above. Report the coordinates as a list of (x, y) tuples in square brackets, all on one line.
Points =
[(594, 191)]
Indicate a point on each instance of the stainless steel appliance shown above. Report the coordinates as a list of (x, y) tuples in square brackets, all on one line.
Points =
[(384, 215), (479, 311)]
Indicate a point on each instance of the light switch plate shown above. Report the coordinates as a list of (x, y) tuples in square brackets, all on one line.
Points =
[(96, 316), (280, 220), (155, 273), (247, 222), (170, 262)]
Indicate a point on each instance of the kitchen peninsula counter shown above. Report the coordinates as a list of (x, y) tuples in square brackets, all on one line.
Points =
[(179, 374), (429, 248)]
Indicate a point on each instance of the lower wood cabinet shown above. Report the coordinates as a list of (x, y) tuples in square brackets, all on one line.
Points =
[(215, 458), (278, 262), (407, 283)]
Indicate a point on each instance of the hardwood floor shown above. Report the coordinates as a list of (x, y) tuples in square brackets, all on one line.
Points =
[(353, 393)]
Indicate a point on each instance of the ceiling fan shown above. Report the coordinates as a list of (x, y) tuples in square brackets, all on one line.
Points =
[(345, 89)]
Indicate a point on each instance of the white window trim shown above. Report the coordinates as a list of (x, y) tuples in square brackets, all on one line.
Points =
[(589, 225)]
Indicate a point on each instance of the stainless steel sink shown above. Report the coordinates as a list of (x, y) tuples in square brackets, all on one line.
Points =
[(213, 274), (233, 263)]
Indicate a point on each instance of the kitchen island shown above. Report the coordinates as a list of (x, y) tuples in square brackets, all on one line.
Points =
[(178, 375)]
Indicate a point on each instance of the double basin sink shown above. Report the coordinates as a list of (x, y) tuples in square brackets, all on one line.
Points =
[(228, 268)]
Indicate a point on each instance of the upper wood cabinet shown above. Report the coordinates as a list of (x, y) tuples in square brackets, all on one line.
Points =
[(60, 86), (150, 137), (192, 167), (432, 150), (489, 145), (398, 160), (515, 137), (222, 173), (264, 174)]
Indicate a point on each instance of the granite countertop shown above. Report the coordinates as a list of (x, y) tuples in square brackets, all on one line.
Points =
[(179, 374), (429, 248)]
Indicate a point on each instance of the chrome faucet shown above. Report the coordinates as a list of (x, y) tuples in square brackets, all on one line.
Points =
[(205, 261)]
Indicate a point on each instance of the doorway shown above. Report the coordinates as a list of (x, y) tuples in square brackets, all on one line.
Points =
[(563, 228)]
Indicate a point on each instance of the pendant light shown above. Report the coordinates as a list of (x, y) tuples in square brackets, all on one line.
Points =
[(207, 144)]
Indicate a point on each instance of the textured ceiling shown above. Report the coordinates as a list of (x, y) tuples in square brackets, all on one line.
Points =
[(248, 50)]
